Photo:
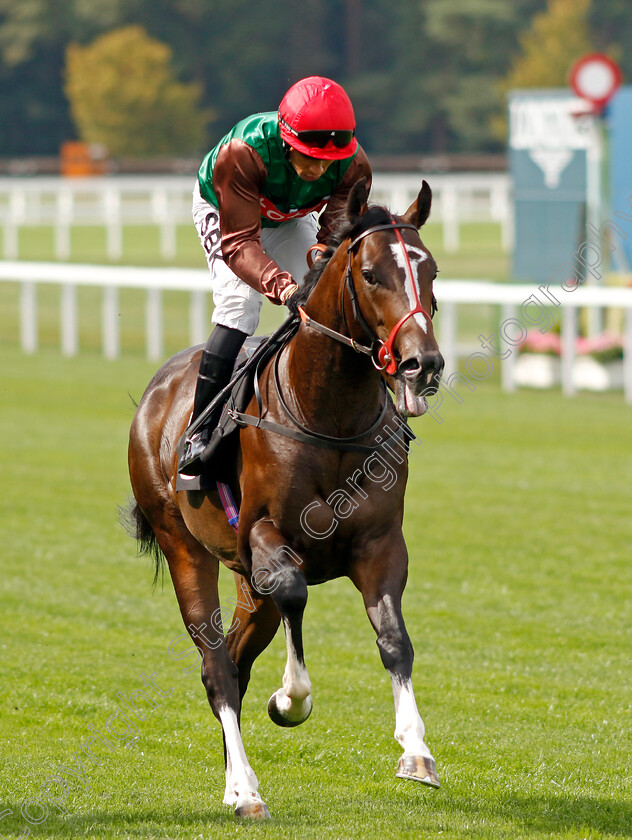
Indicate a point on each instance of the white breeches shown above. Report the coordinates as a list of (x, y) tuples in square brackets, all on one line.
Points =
[(236, 304)]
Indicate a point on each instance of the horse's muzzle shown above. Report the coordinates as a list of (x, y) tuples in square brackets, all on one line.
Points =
[(417, 377), (422, 373)]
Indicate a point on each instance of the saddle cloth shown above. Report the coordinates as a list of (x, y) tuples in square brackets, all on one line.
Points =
[(220, 455)]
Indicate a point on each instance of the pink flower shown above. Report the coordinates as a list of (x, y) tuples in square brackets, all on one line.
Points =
[(605, 342), (537, 342), (604, 346)]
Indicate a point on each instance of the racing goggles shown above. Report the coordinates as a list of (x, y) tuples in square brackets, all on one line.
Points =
[(319, 138)]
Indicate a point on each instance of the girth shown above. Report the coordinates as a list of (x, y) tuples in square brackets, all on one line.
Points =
[(305, 435)]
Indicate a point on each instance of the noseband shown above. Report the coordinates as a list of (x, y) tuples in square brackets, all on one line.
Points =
[(381, 352)]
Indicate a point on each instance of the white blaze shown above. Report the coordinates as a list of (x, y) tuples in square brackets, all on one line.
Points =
[(416, 256)]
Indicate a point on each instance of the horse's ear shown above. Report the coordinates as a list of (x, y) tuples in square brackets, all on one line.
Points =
[(418, 212), (356, 203)]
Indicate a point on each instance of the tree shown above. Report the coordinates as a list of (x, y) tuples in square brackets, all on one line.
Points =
[(472, 43), (429, 80), (123, 95), (423, 75), (556, 38), (612, 24)]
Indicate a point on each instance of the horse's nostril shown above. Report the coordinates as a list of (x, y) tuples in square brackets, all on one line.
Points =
[(410, 367)]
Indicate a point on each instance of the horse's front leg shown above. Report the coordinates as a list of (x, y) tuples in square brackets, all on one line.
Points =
[(276, 570), (381, 577)]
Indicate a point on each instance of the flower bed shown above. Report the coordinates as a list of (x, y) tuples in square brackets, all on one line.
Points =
[(598, 364)]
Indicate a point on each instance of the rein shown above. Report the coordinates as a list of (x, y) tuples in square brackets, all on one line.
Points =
[(304, 434), (381, 352)]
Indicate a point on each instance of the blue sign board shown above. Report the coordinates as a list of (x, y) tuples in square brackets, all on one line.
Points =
[(619, 123), (547, 153)]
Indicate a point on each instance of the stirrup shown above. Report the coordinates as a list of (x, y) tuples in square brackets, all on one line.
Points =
[(189, 462)]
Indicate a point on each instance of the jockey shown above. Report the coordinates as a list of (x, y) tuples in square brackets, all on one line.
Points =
[(254, 207)]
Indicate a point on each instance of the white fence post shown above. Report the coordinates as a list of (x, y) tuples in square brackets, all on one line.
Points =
[(113, 222), (63, 221), (69, 320), (28, 317), (450, 217), (569, 338), (627, 356), (154, 325), (199, 325), (110, 315), (17, 217), (501, 211), (161, 215), (448, 336), (507, 365)]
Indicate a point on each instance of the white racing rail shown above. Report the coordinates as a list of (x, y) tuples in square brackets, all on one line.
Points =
[(118, 201), (514, 301)]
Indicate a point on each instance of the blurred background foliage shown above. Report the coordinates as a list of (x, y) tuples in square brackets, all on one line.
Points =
[(425, 76), (122, 94)]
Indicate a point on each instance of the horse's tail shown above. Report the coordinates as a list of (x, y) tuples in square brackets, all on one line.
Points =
[(137, 526)]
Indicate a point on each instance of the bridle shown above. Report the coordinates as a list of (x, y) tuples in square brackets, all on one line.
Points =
[(381, 352)]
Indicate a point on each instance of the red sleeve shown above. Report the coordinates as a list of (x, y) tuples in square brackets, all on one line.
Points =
[(238, 176), (336, 206)]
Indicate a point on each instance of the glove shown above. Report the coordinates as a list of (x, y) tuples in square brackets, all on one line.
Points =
[(295, 296)]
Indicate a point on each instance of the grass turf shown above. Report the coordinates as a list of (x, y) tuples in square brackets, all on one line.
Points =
[(479, 254), (518, 604)]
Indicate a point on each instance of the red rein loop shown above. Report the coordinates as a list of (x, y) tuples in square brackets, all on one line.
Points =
[(315, 252), (385, 353)]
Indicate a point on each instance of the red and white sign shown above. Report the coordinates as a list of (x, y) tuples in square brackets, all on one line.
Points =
[(595, 77)]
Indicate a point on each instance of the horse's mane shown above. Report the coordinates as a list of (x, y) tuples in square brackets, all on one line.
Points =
[(375, 215)]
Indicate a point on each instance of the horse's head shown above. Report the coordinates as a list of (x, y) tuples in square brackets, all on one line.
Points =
[(389, 278)]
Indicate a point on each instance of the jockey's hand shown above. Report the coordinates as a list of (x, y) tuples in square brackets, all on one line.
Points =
[(293, 297)]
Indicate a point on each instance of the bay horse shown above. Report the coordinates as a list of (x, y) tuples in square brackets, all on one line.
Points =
[(305, 484)]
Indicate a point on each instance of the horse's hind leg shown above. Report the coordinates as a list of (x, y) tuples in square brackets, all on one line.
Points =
[(276, 570), (195, 574), (381, 576)]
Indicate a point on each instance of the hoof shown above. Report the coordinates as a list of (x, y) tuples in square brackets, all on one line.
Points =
[(253, 811), (419, 769), (288, 716)]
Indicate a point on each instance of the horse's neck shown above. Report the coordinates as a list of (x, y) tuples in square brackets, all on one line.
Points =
[(331, 384)]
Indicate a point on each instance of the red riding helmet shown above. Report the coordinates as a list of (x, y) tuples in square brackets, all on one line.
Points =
[(316, 118)]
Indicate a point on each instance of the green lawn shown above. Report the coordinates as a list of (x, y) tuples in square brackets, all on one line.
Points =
[(480, 253), (141, 245), (519, 604)]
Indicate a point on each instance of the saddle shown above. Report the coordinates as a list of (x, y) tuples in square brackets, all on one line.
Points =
[(218, 460)]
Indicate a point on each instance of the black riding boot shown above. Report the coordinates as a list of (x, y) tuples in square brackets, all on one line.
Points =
[(216, 368)]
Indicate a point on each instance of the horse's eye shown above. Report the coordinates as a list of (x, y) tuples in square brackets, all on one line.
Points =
[(368, 275)]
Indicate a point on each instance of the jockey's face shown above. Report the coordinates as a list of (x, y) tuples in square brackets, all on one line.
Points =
[(308, 168)]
